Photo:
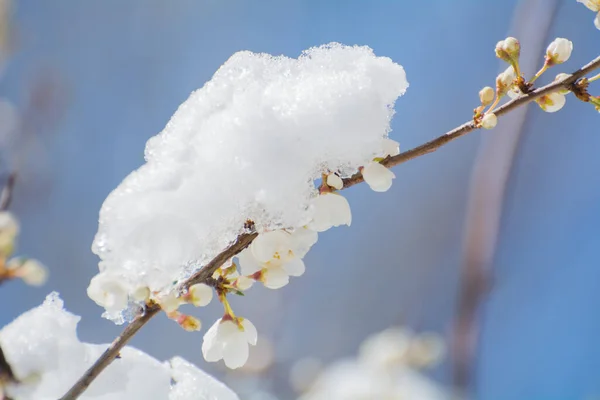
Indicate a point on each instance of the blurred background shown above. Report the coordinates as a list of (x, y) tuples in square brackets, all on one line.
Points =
[(492, 242)]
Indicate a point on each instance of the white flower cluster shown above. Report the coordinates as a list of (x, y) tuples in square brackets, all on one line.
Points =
[(46, 358), (275, 256), (386, 368), (29, 270), (593, 5), (557, 52)]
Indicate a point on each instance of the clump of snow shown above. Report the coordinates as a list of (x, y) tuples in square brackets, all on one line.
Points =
[(247, 145), (45, 355)]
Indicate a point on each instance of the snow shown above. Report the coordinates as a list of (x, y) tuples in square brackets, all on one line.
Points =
[(247, 145), (44, 353)]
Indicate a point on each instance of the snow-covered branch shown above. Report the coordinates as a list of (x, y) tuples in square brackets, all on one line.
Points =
[(570, 82)]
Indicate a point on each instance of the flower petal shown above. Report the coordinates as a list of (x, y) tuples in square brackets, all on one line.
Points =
[(275, 278), (250, 331), (212, 348), (378, 177), (235, 352), (294, 267)]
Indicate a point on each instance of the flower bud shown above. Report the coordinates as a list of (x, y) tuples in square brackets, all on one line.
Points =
[(508, 49), (559, 51), (31, 271), (489, 121), (552, 102), (486, 95), (505, 81)]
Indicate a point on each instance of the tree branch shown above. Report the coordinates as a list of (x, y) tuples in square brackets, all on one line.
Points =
[(245, 239), (469, 126)]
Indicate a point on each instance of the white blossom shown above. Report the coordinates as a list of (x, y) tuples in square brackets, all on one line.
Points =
[(200, 294), (107, 291), (559, 51), (31, 271), (335, 181), (597, 21), (227, 341), (390, 147), (489, 121), (170, 302), (330, 210), (378, 177), (275, 278), (552, 102), (141, 294), (278, 255)]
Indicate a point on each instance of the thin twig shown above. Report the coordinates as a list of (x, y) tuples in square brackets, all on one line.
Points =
[(470, 126), (245, 239)]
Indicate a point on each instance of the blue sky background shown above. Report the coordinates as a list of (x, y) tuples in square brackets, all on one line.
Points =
[(124, 67)]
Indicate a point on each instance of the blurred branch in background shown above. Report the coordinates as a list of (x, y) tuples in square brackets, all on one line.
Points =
[(487, 192)]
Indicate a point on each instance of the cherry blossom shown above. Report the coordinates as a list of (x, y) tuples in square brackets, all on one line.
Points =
[(330, 210), (559, 51), (107, 292), (200, 295), (552, 102), (378, 177), (228, 340)]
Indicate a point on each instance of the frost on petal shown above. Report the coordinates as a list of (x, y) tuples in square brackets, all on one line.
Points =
[(390, 147), (378, 177), (107, 292), (294, 267), (330, 210), (275, 278), (250, 332), (228, 148)]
